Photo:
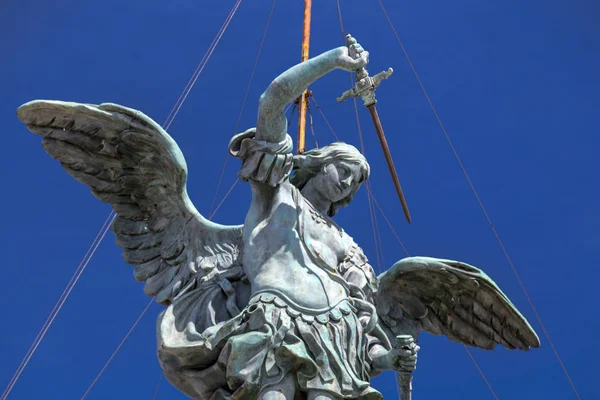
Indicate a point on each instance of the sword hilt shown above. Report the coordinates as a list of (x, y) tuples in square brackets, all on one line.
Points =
[(365, 85), (349, 42)]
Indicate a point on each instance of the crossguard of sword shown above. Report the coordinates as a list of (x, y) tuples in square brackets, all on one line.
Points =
[(365, 89), (365, 85)]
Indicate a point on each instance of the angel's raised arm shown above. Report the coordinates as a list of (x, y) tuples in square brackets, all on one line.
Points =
[(266, 151), (271, 124)]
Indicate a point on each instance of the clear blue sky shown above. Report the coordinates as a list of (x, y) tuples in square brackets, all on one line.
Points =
[(516, 84)]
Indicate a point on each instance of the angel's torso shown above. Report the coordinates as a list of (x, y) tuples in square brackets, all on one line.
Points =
[(291, 249)]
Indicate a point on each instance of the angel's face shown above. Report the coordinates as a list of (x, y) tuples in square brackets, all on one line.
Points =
[(338, 179)]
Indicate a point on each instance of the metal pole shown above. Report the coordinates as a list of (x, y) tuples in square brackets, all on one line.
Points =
[(303, 99)]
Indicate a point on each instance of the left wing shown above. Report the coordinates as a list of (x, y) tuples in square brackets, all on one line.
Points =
[(454, 299), (129, 161)]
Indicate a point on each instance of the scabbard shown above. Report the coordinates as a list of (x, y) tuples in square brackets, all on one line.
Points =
[(388, 159)]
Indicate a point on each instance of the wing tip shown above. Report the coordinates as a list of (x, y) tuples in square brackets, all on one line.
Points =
[(26, 112), (535, 343), (23, 112)]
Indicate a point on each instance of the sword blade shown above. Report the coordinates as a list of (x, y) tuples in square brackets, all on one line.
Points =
[(388, 159), (405, 380)]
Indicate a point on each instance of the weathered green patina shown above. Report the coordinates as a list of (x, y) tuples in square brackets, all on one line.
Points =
[(285, 305)]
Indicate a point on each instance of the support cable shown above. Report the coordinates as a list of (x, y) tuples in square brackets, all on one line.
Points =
[(202, 64), (117, 349), (373, 201), (237, 123), (136, 323), (480, 202), (362, 147), (59, 304), (186, 91), (210, 217), (112, 215), (157, 386), (134, 326), (387, 221), (377, 229), (324, 118), (367, 184), (408, 254), (312, 126)]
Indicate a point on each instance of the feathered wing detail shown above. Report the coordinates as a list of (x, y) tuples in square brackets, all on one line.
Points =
[(129, 161), (454, 299)]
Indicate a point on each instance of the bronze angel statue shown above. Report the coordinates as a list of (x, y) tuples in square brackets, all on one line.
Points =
[(285, 306)]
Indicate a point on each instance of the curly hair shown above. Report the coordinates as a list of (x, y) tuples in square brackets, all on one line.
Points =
[(309, 164)]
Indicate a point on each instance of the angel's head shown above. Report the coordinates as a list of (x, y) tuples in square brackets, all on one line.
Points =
[(336, 171)]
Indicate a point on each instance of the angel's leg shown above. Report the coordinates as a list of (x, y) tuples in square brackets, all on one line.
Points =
[(319, 395), (284, 390)]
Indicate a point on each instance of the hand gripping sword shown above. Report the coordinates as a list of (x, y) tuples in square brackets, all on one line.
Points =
[(365, 89)]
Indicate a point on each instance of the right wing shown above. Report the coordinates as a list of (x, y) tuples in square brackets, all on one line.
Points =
[(129, 161), (454, 299)]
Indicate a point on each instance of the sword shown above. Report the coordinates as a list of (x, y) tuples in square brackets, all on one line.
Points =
[(404, 377), (365, 89)]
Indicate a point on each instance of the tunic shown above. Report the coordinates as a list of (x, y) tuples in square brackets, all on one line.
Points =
[(325, 349)]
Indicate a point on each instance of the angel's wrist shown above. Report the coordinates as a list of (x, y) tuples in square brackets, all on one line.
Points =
[(379, 357)]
